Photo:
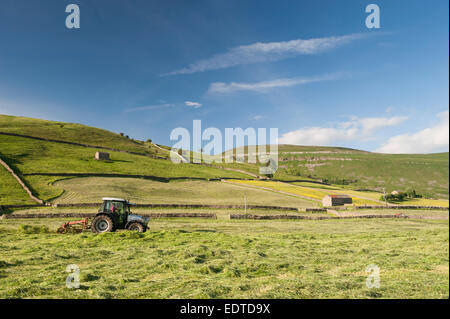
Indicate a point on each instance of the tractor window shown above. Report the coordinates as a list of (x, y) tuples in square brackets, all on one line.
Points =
[(107, 206), (119, 207)]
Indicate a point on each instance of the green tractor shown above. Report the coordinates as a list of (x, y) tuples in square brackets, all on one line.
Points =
[(115, 213)]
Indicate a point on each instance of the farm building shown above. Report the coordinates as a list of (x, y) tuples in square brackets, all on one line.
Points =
[(336, 200), (102, 156)]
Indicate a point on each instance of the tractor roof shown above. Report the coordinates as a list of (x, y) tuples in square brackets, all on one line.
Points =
[(114, 199)]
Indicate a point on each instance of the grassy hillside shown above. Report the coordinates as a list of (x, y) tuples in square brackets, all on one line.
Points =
[(428, 174), (28, 156), (10, 191), (77, 133)]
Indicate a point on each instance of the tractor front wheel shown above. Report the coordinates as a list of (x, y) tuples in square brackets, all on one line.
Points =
[(137, 227), (102, 224)]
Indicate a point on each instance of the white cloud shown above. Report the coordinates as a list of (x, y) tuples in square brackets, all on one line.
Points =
[(161, 106), (258, 117), (148, 107), (264, 52), (371, 124), (193, 104), (356, 128), (429, 140), (320, 136), (226, 88)]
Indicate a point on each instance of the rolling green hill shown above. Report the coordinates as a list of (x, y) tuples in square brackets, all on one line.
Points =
[(75, 133), (42, 152), (428, 174), (348, 168)]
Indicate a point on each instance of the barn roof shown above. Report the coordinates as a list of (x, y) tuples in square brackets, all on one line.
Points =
[(338, 196)]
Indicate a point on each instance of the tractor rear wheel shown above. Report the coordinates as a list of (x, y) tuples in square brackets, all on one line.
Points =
[(102, 224), (137, 227)]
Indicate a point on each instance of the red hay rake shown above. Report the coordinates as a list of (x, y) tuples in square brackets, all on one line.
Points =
[(75, 227)]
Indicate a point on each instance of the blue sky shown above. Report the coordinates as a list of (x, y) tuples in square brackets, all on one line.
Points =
[(310, 68)]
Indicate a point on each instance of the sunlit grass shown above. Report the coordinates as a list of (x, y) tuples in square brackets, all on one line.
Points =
[(313, 193), (229, 259)]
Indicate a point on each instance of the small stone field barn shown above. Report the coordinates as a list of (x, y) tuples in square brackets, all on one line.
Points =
[(102, 156), (336, 200)]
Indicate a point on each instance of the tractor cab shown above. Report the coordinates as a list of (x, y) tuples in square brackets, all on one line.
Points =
[(115, 213), (115, 206)]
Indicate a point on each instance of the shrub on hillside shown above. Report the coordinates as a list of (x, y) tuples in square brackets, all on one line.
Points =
[(400, 196)]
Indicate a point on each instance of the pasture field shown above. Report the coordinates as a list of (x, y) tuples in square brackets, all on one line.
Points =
[(438, 214), (10, 191), (92, 189), (317, 192), (425, 202), (306, 192), (184, 258)]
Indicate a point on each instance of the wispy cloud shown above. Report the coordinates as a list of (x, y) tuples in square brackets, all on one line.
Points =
[(357, 128), (148, 107), (193, 104), (258, 117), (428, 140), (265, 52), (226, 88), (161, 106)]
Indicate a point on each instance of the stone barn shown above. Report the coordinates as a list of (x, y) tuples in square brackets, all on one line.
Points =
[(336, 200), (102, 156)]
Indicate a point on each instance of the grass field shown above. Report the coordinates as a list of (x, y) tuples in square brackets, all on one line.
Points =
[(92, 189), (229, 259), (307, 192), (438, 214), (10, 191)]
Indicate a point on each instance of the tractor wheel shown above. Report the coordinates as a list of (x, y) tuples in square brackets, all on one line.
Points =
[(102, 224), (137, 227)]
